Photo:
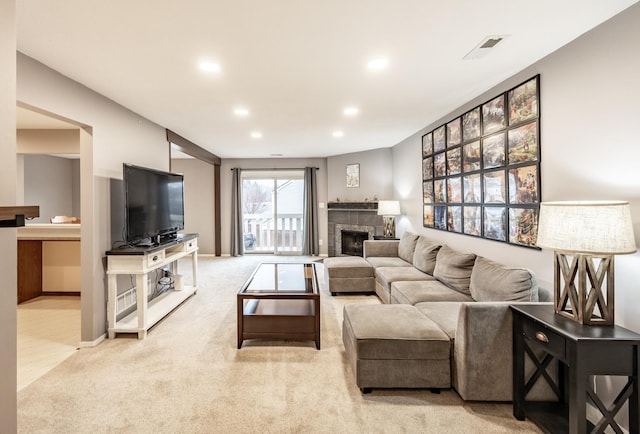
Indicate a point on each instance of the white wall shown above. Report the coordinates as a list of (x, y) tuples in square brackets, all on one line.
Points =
[(271, 163), (199, 196), (117, 135), (49, 183), (375, 176), (8, 255), (589, 143)]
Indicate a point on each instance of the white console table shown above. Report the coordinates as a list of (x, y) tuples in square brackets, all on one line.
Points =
[(139, 262)]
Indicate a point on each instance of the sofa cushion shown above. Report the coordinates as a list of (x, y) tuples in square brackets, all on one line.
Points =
[(454, 268), (407, 246), (444, 314), (347, 266), (491, 281), (387, 275), (386, 261), (424, 256), (405, 292), (394, 332)]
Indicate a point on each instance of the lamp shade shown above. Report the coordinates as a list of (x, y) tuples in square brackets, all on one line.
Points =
[(594, 227), (388, 207)]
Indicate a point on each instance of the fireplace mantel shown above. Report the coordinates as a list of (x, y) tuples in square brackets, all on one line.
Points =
[(352, 206)]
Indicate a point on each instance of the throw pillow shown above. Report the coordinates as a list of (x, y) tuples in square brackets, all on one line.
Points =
[(424, 257), (454, 268), (407, 246), (491, 281)]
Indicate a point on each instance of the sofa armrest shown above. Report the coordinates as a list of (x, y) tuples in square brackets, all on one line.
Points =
[(483, 356), (385, 248)]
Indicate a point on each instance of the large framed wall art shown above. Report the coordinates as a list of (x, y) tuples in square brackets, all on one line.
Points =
[(481, 170)]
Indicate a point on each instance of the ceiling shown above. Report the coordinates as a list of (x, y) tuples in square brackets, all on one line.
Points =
[(296, 64)]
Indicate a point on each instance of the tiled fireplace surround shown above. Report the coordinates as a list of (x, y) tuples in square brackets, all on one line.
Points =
[(351, 216)]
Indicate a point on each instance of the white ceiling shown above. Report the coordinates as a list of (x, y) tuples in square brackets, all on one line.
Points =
[(296, 64)]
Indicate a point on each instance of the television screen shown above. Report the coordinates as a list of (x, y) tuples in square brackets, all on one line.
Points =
[(154, 204)]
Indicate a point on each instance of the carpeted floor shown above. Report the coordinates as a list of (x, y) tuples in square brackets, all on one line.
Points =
[(188, 377)]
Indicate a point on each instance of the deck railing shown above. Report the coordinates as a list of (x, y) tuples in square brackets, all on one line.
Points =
[(263, 233)]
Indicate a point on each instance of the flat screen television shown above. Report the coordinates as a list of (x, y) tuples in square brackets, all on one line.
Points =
[(154, 205)]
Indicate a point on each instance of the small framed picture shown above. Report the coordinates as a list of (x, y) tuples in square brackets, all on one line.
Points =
[(523, 143), (471, 188), (471, 156), (427, 145), (454, 190), (523, 185), (454, 218), (472, 220), (454, 161), (440, 217), (427, 216), (454, 133), (427, 192), (439, 165), (439, 139), (523, 102), (493, 154), (494, 187), (494, 223), (493, 115), (353, 175), (523, 226), (471, 124), (427, 168), (440, 191)]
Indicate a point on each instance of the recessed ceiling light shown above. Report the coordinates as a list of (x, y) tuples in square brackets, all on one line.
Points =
[(338, 134), (210, 66), (378, 63), (276, 155), (256, 135), (241, 112), (351, 111)]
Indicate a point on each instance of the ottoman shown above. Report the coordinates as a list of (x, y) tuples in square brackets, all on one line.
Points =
[(349, 274), (395, 346)]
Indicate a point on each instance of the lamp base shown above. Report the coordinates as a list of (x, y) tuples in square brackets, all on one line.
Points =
[(580, 288), (389, 223)]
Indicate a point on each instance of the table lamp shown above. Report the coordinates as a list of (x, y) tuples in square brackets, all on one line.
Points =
[(585, 237), (389, 209)]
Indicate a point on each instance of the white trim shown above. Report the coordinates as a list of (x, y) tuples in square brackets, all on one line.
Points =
[(94, 343)]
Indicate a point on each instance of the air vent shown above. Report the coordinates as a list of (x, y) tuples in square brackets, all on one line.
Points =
[(484, 47)]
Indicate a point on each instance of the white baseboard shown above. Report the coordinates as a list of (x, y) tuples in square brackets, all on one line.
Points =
[(90, 344)]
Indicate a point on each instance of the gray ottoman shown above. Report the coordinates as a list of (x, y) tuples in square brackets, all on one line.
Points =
[(395, 346), (348, 274)]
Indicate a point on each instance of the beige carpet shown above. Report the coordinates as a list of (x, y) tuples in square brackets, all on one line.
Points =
[(188, 377)]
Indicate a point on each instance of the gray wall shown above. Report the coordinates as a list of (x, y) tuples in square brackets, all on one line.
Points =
[(589, 144), (199, 196), (52, 183), (375, 176), (8, 188), (271, 163)]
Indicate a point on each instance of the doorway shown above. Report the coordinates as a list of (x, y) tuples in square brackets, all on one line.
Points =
[(272, 211)]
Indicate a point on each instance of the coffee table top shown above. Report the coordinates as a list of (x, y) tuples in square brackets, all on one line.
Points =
[(283, 279)]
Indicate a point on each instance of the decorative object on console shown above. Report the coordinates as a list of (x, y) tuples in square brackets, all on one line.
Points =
[(590, 233), (481, 170), (389, 209)]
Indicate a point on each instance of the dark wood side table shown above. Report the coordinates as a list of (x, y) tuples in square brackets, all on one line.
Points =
[(582, 350)]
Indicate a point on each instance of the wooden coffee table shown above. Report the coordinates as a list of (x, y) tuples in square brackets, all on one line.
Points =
[(280, 301)]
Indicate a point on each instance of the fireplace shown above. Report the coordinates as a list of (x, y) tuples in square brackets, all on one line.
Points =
[(352, 242), (352, 217)]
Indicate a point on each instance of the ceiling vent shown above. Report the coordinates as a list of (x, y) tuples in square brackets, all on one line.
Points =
[(484, 47)]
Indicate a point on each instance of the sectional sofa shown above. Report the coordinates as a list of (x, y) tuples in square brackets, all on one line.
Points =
[(444, 322)]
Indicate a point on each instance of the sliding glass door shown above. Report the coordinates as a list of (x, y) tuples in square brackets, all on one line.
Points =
[(272, 211)]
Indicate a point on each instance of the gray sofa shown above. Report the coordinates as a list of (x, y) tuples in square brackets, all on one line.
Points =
[(466, 296)]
